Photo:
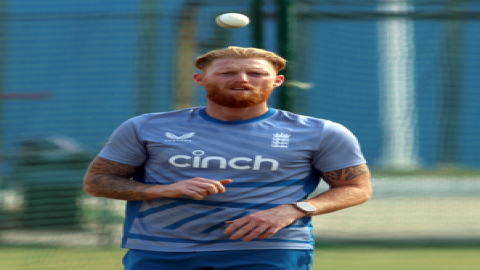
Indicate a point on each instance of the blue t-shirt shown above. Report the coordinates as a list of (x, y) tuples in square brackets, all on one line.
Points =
[(273, 159)]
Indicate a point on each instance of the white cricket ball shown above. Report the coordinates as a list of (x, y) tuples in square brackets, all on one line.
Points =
[(232, 20)]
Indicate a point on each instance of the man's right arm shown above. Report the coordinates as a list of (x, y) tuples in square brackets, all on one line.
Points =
[(110, 179)]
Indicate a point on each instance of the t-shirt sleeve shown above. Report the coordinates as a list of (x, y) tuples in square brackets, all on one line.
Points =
[(125, 146), (338, 149)]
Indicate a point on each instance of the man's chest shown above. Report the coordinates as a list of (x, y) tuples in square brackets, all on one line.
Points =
[(230, 150)]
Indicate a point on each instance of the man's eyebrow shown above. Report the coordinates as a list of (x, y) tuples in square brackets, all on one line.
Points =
[(228, 68), (260, 70)]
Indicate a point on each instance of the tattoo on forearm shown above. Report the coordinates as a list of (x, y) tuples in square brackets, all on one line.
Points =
[(345, 174), (118, 187)]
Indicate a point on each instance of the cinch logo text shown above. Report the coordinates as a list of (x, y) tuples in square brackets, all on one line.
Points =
[(238, 163)]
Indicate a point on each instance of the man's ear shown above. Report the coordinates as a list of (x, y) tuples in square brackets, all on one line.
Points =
[(198, 78), (279, 80)]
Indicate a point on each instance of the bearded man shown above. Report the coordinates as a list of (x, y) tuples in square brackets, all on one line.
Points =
[(227, 186)]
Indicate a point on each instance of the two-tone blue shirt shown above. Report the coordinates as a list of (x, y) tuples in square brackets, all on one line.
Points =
[(273, 159)]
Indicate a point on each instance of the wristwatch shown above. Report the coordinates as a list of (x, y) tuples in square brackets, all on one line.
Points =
[(305, 207)]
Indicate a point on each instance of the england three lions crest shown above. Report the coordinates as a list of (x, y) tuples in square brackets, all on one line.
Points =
[(280, 140)]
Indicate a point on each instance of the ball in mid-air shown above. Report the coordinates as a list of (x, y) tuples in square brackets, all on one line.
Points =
[(232, 20)]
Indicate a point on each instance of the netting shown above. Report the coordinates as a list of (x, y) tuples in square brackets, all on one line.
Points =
[(402, 75)]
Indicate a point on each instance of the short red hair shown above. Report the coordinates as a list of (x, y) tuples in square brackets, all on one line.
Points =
[(206, 60)]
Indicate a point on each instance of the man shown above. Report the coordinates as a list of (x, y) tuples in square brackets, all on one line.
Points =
[(225, 186)]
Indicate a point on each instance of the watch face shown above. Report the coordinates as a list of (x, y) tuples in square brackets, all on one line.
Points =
[(306, 206)]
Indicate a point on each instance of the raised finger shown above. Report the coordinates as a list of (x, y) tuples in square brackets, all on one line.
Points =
[(224, 182)]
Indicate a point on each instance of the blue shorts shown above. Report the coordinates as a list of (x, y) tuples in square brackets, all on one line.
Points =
[(277, 259)]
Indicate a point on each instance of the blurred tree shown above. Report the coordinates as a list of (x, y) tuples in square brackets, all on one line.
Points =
[(147, 56), (451, 83)]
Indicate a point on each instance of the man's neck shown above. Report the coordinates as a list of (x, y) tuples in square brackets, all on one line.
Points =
[(233, 114)]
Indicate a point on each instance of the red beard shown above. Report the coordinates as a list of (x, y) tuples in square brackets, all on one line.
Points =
[(237, 99)]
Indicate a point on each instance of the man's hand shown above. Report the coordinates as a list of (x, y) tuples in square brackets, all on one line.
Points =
[(197, 188), (263, 224)]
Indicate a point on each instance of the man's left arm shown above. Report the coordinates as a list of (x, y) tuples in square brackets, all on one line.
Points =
[(348, 187)]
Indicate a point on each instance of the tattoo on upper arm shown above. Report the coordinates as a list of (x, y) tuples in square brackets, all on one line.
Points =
[(105, 166), (110, 179), (345, 174)]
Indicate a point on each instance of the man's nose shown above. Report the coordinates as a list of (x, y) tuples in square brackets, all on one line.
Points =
[(241, 77)]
